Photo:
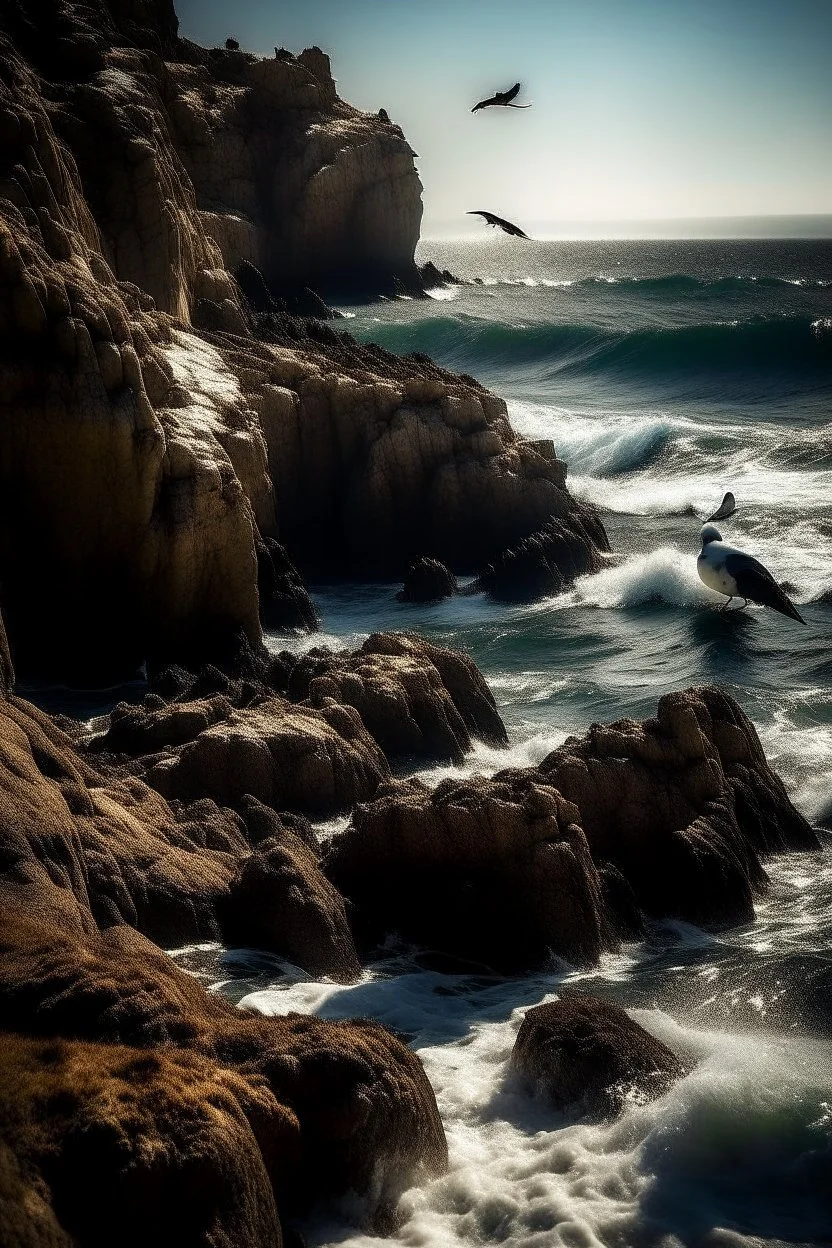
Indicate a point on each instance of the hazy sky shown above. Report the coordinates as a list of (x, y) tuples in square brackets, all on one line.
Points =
[(642, 108)]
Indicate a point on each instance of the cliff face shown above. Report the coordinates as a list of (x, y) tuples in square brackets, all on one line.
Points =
[(148, 437)]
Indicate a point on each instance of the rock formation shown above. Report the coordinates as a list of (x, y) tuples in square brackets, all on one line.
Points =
[(194, 1116), (136, 400), (495, 872), (427, 580), (684, 805), (588, 1055)]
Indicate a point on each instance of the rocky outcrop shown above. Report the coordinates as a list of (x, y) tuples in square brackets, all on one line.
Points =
[(232, 1107), (102, 1141), (413, 697), (427, 580), (285, 605), (495, 872), (178, 874), (6, 669), (588, 1055), (546, 561), (317, 760), (684, 805)]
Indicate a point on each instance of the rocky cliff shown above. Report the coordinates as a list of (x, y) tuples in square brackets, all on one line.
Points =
[(153, 428)]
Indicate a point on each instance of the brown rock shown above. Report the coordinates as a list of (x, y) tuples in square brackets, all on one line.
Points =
[(317, 760), (549, 559), (413, 697), (497, 872), (587, 1054), (102, 1140), (683, 804)]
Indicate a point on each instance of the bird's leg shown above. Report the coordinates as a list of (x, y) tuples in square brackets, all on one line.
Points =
[(727, 604)]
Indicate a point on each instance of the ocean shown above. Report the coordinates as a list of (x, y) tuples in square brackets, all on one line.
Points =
[(666, 373)]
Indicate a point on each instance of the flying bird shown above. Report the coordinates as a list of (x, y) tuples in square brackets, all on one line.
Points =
[(490, 219), (502, 98), (736, 575)]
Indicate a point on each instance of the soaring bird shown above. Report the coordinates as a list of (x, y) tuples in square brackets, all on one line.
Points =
[(502, 98), (731, 572), (500, 221)]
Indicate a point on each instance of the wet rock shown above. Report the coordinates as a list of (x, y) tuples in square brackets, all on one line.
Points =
[(494, 871), (547, 561), (588, 1055), (427, 580), (684, 805), (413, 697), (285, 604)]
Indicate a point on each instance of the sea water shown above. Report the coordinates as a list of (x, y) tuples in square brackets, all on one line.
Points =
[(666, 373)]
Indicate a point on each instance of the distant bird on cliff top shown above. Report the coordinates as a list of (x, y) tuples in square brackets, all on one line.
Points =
[(736, 575), (498, 221), (502, 99)]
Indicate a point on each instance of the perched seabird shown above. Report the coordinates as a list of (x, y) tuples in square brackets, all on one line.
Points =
[(731, 572), (502, 98), (499, 221)]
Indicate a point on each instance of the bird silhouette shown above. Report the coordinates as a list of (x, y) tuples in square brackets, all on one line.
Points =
[(498, 221), (502, 99)]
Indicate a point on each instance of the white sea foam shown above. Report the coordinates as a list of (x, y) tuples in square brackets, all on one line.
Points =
[(752, 1110), (664, 575)]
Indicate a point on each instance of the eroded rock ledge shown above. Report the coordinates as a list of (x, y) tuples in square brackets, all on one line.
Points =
[(151, 447)]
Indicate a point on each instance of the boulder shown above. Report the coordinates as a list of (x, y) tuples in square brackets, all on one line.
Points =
[(548, 560), (584, 1054), (318, 760), (285, 604), (413, 697), (684, 805), (427, 580), (492, 871)]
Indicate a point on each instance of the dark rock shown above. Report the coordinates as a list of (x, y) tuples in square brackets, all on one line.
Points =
[(492, 871), (285, 604), (427, 580), (549, 560), (684, 805), (232, 45), (586, 1054)]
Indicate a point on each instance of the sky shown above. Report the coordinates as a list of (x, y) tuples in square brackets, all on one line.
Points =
[(642, 109)]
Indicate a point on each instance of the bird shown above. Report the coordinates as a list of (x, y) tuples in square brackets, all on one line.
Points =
[(502, 98), (500, 221), (725, 509), (737, 575)]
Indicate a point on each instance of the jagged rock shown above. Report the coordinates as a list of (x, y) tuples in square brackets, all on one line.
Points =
[(413, 697), (319, 760), (6, 669), (587, 1054), (285, 604), (427, 580), (683, 804), (546, 561), (179, 873), (103, 1142), (497, 872)]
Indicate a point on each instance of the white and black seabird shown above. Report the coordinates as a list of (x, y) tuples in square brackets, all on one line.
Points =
[(737, 575)]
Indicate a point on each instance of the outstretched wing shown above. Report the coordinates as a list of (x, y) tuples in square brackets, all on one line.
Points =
[(498, 221), (492, 99), (758, 585), (505, 97)]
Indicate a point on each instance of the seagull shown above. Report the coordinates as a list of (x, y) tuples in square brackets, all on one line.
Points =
[(500, 221), (502, 98), (736, 575)]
